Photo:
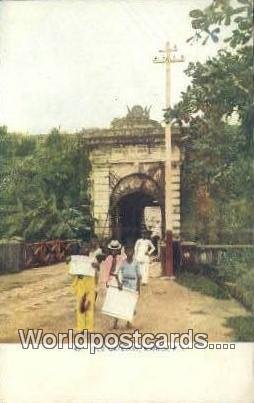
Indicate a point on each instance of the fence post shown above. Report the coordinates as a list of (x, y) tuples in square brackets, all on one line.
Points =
[(12, 256)]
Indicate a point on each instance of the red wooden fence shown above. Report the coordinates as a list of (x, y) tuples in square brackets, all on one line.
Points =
[(48, 252)]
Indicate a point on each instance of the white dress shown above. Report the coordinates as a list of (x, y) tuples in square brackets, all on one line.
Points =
[(143, 249)]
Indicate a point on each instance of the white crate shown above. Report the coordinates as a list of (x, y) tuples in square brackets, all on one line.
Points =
[(81, 265), (120, 304)]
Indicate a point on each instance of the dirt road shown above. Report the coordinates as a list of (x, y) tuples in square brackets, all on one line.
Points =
[(42, 299)]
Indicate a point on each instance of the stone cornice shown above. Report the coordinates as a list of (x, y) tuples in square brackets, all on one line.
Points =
[(131, 136)]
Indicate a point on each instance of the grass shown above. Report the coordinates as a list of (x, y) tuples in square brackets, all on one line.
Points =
[(243, 327), (202, 284)]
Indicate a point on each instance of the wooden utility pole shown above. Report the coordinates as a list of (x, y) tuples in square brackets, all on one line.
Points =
[(168, 58)]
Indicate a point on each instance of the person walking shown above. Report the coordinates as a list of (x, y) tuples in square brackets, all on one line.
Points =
[(84, 290), (108, 270), (111, 264), (129, 275), (144, 248)]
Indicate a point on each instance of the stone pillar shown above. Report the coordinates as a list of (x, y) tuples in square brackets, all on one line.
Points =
[(100, 197)]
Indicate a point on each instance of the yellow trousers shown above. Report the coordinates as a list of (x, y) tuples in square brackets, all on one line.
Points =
[(81, 286)]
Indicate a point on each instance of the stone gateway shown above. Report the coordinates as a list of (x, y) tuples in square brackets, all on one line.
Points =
[(127, 175)]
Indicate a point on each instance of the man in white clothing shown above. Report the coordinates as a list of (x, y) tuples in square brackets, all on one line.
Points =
[(143, 250)]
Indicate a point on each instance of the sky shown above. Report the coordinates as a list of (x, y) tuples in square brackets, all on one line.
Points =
[(78, 64)]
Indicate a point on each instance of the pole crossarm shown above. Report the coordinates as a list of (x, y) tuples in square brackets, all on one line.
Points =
[(169, 56)]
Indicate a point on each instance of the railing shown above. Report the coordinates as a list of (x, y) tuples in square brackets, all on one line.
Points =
[(196, 254), (18, 255), (15, 256), (48, 252)]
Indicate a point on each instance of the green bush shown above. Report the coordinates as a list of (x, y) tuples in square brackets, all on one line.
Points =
[(44, 187), (236, 263), (237, 267), (243, 327)]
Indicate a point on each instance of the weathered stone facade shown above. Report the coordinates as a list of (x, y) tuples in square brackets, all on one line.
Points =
[(128, 159)]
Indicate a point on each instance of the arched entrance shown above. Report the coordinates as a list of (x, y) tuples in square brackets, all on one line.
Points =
[(129, 198)]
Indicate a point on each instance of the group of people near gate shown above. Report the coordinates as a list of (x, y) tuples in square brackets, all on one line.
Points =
[(124, 267)]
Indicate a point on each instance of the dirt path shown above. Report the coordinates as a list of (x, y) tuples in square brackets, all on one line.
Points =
[(42, 298)]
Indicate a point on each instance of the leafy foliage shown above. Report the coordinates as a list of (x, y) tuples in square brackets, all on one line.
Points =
[(218, 177), (44, 188), (237, 267), (243, 328), (224, 12)]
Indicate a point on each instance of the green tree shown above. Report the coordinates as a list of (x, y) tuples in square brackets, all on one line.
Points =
[(218, 155), (44, 187)]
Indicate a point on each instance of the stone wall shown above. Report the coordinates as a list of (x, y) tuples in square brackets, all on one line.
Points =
[(133, 145), (112, 163)]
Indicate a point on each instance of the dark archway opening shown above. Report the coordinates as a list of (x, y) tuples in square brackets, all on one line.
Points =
[(130, 211)]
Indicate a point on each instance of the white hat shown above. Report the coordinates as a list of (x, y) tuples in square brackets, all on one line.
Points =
[(114, 244)]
